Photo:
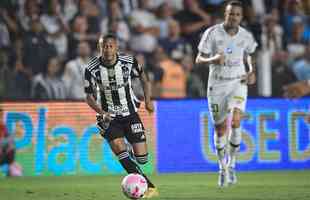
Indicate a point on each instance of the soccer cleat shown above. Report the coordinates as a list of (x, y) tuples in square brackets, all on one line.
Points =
[(150, 193), (231, 176), (222, 178)]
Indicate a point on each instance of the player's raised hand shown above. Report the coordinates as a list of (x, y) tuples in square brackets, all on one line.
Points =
[(149, 106)]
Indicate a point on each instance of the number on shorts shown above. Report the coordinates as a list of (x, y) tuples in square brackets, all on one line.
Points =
[(214, 108)]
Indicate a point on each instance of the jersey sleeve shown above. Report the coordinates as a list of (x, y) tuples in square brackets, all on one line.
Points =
[(251, 44), (88, 82), (205, 44), (137, 69)]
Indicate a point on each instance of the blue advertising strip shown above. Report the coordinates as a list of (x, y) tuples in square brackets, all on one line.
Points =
[(61, 138), (275, 132)]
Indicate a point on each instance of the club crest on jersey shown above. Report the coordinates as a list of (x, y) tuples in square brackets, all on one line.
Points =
[(229, 50), (125, 70), (111, 72)]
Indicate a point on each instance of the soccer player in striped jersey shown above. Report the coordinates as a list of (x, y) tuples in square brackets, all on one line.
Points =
[(117, 118)]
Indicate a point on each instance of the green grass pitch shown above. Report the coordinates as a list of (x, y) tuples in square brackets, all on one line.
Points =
[(269, 185)]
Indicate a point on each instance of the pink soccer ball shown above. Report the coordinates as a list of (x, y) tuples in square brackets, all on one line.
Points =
[(134, 186)]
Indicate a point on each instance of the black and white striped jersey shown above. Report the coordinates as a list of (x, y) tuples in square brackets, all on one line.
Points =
[(114, 83)]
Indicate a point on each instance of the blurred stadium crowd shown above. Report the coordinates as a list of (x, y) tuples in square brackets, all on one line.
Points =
[(45, 44)]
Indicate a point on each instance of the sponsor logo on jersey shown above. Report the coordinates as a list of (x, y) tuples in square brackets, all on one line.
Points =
[(137, 128), (229, 50)]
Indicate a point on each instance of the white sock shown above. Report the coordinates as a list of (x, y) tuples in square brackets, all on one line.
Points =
[(220, 144), (234, 146)]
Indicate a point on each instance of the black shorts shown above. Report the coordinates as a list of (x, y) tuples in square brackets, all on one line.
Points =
[(130, 127)]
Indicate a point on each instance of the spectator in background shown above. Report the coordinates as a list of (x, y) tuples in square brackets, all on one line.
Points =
[(128, 6), (164, 14), (281, 73), (5, 41), (297, 89), (78, 34), (116, 24), (70, 9), (145, 29), (21, 82), (4, 75), (174, 4), (194, 84), (56, 27), (252, 23), (306, 6), (74, 71), (7, 149), (175, 46), (12, 25), (193, 20), (212, 4), (85, 27), (30, 10), (292, 9), (90, 10), (36, 49), (271, 46), (155, 73), (49, 84), (301, 68), (272, 35), (296, 44), (173, 83)]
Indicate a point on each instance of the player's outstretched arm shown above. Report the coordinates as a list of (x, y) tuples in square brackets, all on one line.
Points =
[(218, 59), (147, 92)]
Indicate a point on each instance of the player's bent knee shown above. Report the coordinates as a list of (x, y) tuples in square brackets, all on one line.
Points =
[(237, 115), (219, 146), (142, 159), (220, 129), (235, 123), (117, 145)]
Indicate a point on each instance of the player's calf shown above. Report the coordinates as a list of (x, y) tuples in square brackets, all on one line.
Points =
[(222, 178), (220, 146), (142, 159), (231, 176)]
